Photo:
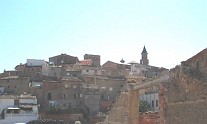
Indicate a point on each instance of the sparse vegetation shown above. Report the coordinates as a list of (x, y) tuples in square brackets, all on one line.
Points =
[(143, 106)]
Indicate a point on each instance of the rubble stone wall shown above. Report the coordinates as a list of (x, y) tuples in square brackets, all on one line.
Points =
[(186, 93)]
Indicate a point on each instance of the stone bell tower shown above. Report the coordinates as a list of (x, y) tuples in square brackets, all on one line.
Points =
[(144, 59)]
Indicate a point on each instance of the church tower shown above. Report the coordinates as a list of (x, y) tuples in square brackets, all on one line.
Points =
[(144, 59)]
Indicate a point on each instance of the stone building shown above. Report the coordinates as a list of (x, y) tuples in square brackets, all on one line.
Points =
[(87, 62), (71, 93), (64, 94), (15, 84), (115, 69), (29, 71), (96, 59), (90, 70), (11, 73), (91, 97), (63, 59), (52, 71), (100, 89)]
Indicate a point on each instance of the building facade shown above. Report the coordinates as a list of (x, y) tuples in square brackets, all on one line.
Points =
[(63, 59), (96, 59)]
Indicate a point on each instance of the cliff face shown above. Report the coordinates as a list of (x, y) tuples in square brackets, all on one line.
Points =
[(186, 92)]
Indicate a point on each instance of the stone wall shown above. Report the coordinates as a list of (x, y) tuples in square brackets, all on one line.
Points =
[(15, 84), (186, 93)]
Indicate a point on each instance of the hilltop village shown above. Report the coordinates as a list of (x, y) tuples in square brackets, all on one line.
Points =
[(66, 90)]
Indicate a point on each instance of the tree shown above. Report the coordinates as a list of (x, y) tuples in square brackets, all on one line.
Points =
[(143, 106)]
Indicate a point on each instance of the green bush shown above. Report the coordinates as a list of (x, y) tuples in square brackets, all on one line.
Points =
[(143, 106)]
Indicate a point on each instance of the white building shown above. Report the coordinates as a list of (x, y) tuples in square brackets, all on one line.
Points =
[(36, 62), (18, 109), (137, 69), (152, 99)]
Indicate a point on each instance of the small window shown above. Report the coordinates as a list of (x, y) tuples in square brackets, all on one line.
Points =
[(108, 97), (8, 86), (64, 105), (87, 70), (75, 96), (102, 96), (51, 104), (65, 95), (156, 103), (152, 103), (38, 73), (62, 61), (110, 88), (15, 87), (49, 96), (16, 102), (81, 95), (103, 89)]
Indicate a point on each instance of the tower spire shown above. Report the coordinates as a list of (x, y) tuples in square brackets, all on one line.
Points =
[(144, 60), (144, 50)]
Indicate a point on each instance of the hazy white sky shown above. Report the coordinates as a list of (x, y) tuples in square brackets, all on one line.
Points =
[(171, 30)]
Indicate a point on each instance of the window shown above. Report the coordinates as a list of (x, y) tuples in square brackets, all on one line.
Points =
[(110, 88), (49, 96), (152, 103), (156, 103), (75, 96), (81, 95), (8, 86), (65, 95), (108, 97), (103, 89), (62, 61), (102, 96), (51, 104), (16, 102), (15, 87), (87, 70), (64, 105), (38, 73), (68, 73)]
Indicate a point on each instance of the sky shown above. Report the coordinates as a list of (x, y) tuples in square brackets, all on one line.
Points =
[(171, 30)]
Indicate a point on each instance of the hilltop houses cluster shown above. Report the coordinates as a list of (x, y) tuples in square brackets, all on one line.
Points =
[(65, 84)]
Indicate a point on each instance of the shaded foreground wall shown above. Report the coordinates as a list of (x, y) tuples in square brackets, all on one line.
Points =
[(187, 112), (186, 93), (149, 118)]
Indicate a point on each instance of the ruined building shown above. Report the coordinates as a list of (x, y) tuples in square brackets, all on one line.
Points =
[(186, 92)]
